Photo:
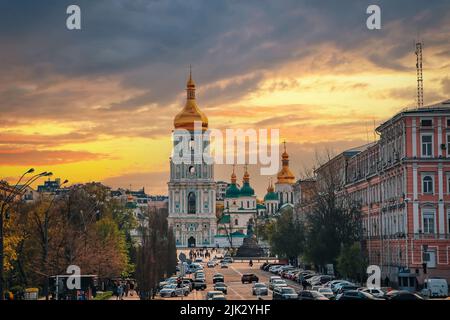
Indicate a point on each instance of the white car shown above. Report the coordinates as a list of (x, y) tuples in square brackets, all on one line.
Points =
[(327, 292), (211, 264), (172, 290), (277, 282), (211, 294)]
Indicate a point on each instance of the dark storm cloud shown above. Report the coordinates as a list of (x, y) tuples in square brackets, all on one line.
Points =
[(149, 44)]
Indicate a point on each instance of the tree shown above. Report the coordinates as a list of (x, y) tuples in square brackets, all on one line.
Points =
[(287, 236), (156, 255), (351, 263), (334, 220)]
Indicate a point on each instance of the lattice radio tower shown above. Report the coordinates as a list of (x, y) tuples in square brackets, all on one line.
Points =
[(419, 46)]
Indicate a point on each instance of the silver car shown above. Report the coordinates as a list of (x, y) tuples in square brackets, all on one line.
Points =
[(260, 289), (173, 290)]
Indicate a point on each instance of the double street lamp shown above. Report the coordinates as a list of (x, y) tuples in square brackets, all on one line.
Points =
[(5, 206)]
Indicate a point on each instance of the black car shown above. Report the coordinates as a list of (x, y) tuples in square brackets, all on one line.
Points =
[(218, 278), (249, 277), (199, 284), (310, 295), (347, 288), (402, 295), (355, 295)]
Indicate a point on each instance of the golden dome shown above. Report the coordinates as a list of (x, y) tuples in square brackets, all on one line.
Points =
[(285, 176), (190, 113)]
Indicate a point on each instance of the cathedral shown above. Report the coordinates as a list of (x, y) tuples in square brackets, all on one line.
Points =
[(192, 191)]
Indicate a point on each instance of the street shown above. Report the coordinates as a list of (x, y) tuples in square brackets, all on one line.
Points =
[(232, 275)]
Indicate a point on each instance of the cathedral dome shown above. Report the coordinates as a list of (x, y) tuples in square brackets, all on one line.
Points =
[(285, 176), (247, 190), (232, 190), (271, 195), (191, 113)]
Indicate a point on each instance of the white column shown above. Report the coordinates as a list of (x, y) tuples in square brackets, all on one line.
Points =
[(441, 198), (414, 138), (439, 139)]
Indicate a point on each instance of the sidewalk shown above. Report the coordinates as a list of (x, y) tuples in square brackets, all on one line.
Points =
[(130, 297)]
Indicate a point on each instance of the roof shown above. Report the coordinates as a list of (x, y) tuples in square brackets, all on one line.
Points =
[(271, 196), (247, 190), (441, 107)]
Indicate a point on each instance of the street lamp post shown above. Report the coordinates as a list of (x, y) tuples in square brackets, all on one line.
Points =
[(45, 254), (5, 203)]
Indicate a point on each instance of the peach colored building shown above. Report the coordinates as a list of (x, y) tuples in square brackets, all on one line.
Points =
[(403, 184)]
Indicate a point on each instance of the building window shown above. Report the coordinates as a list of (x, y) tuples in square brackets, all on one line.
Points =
[(427, 145), (428, 222), (191, 203), (236, 222), (448, 144), (426, 123), (427, 184)]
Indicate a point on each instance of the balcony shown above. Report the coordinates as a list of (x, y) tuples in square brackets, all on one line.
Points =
[(431, 236)]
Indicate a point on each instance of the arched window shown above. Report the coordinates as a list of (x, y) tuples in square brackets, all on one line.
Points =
[(191, 202), (427, 184), (236, 222)]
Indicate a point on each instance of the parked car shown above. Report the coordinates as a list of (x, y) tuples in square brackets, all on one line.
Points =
[(277, 282), (316, 288), (199, 260), (211, 294), (173, 290), (211, 264), (338, 286), (355, 295), (346, 287), (170, 280), (326, 292), (218, 277), (218, 297), (249, 277), (224, 265), (284, 293), (310, 295), (402, 295), (220, 286), (322, 279), (188, 283), (199, 284), (377, 293), (260, 289), (435, 287)]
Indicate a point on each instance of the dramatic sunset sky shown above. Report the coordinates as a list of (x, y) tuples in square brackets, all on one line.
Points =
[(98, 104)]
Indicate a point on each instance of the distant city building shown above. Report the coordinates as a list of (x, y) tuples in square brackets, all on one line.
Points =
[(221, 188)]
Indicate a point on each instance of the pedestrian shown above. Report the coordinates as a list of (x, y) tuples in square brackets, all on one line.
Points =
[(120, 292)]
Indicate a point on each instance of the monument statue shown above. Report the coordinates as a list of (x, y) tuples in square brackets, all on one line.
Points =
[(250, 247)]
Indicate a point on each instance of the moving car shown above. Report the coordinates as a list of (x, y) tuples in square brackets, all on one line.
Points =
[(173, 290), (311, 295), (220, 286), (260, 289), (249, 277), (199, 284), (224, 265), (211, 294), (211, 264), (228, 260), (199, 276), (218, 297), (284, 293), (218, 277)]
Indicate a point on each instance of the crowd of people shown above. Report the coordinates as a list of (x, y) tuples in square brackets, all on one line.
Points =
[(123, 289)]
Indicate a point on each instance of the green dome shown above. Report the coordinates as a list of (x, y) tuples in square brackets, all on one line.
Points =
[(270, 196), (232, 191), (246, 190)]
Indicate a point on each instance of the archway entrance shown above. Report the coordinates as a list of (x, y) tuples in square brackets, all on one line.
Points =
[(191, 242)]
